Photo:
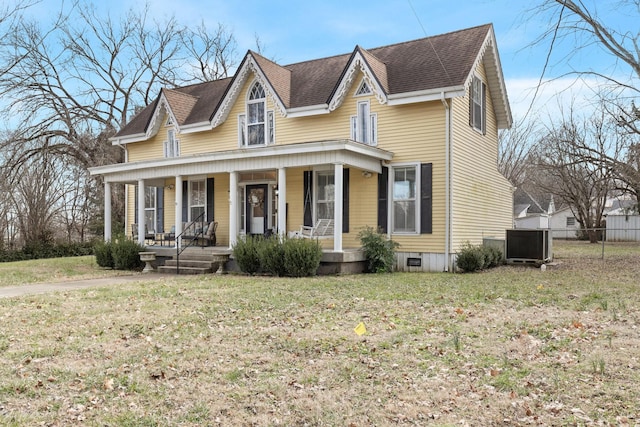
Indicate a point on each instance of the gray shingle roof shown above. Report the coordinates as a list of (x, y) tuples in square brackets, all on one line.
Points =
[(430, 63)]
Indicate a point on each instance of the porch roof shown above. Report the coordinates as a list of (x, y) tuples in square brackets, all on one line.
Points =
[(346, 152)]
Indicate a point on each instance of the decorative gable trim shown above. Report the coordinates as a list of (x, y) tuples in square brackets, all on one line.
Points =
[(156, 121), (248, 67), (357, 63), (488, 54)]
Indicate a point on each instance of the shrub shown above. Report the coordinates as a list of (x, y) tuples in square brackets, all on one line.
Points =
[(301, 257), (245, 252), (471, 258), (104, 254), (271, 255), (493, 256), (379, 251), (126, 255)]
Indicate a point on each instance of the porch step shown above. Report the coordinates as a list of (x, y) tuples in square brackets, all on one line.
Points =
[(195, 264), (184, 270)]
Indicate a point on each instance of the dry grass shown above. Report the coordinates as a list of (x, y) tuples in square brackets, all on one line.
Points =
[(513, 346), (52, 270)]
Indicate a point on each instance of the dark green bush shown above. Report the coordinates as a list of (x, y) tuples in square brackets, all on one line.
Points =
[(301, 257), (471, 258), (104, 254), (379, 251), (271, 255), (245, 252), (126, 255), (493, 256)]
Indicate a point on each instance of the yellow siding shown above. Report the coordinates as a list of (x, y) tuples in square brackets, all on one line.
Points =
[(415, 133), (482, 199)]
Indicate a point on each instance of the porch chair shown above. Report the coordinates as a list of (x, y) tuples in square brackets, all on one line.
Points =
[(322, 228), (148, 235)]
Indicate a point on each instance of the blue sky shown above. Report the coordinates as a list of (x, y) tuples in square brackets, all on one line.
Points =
[(293, 31)]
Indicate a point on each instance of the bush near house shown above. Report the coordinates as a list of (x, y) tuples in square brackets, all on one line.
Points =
[(379, 251), (119, 254), (277, 256), (473, 258)]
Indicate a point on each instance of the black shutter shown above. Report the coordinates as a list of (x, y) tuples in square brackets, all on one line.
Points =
[(185, 201), (135, 204), (210, 194), (383, 205), (426, 200), (345, 200), (484, 109), (308, 198), (159, 210)]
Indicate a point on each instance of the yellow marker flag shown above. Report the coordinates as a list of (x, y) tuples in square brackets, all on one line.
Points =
[(360, 329)]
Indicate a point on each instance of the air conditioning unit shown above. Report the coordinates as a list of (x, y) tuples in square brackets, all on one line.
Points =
[(529, 246)]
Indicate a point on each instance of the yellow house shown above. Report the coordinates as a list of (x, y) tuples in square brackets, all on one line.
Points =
[(402, 137)]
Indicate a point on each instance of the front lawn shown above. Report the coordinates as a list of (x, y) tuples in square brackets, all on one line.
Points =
[(510, 346)]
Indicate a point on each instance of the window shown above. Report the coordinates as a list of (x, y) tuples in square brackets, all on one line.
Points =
[(150, 207), (571, 221), (197, 200), (404, 195), (256, 127), (364, 125), (363, 89), (477, 108), (325, 195), (171, 145)]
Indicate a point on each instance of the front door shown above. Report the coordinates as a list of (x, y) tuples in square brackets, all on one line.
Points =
[(257, 206)]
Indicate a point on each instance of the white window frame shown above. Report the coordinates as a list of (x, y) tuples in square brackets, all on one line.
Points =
[(415, 199), (268, 122), (171, 145), (192, 203), (364, 125), (361, 89), (150, 206), (316, 199), (477, 112)]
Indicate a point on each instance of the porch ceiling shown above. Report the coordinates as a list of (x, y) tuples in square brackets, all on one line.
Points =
[(346, 152)]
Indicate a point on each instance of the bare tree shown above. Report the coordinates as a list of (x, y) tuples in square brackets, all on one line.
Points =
[(75, 82), (515, 146), (577, 176)]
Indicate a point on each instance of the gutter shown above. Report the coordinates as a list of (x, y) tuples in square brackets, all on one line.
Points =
[(447, 181)]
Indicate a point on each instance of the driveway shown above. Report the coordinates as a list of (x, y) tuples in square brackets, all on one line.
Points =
[(43, 288)]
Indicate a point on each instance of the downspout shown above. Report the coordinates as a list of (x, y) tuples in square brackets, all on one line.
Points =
[(447, 181)]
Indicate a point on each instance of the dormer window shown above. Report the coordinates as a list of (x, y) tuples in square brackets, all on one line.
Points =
[(172, 144), (256, 126), (364, 125)]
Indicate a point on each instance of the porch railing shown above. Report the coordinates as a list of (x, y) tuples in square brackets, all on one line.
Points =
[(191, 240)]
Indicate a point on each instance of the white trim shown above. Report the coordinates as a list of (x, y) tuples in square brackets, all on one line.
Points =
[(426, 95), (357, 63), (348, 152), (310, 110), (390, 208)]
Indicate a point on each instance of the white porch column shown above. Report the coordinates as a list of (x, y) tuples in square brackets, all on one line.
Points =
[(282, 201), (107, 211), (233, 208), (141, 218), (337, 207), (178, 204)]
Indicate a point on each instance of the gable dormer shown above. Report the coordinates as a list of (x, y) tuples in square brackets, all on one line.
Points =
[(274, 79), (375, 76), (176, 106)]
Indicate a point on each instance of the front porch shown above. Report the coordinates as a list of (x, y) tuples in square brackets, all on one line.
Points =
[(247, 191)]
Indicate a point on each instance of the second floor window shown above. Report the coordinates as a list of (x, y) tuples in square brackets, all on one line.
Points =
[(478, 105), (171, 145), (364, 125), (256, 127)]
